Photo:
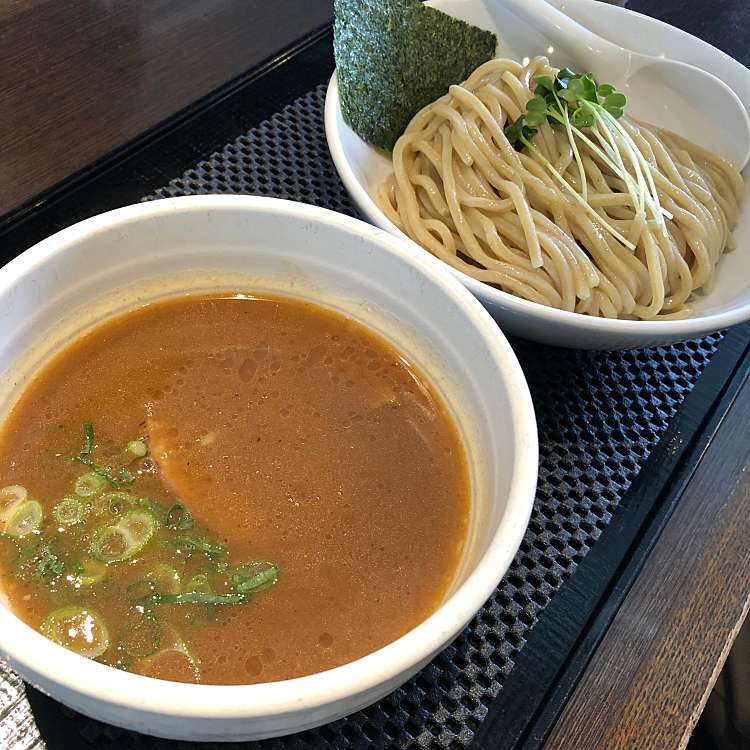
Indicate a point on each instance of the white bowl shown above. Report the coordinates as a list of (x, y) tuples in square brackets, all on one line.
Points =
[(112, 262), (362, 168)]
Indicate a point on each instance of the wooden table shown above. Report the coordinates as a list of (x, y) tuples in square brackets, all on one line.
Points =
[(634, 663), (648, 680)]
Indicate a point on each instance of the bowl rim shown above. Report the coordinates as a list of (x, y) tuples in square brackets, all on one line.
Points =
[(648, 330), (37, 657)]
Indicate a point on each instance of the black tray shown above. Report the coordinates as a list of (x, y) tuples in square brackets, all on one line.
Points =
[(620, 433)]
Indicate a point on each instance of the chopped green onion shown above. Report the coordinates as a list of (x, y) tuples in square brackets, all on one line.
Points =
[(137, 448), (89, 485), (164, 579), (212, 549), (28, 551), (215, 566), (88, 439), (194, 597), (126, 476), (49, 567), (254, 576), (11, 497), (84, 457), (97, 469), (111, 544), (172, 644), (124, 539), (178, 518), (24, 520), (116, 502), (70, 511), (88, 572), (159, 579), (199, 582), (77, 628)]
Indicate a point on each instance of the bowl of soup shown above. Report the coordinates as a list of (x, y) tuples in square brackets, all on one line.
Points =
[(259, 463)]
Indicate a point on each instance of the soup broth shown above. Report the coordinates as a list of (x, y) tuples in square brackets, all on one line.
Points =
[(229, 489)]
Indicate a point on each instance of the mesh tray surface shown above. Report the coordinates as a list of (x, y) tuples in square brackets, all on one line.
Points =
[(599, 415)]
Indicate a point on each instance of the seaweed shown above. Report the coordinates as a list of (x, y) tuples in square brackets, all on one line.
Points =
[(394, 57)]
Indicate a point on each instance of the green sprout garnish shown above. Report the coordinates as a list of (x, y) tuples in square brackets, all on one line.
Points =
[(578, 103)]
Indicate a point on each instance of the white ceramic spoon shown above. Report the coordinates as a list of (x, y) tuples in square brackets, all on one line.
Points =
[(668, 93)]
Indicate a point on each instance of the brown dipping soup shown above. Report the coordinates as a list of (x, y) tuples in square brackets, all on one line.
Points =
[(229, 489)]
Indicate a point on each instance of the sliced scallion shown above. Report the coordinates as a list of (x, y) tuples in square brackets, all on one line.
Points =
[(199, 582), (194, 544), (194, 597), (172, 647), (125, 539), (10, 498), (98, 470), (89, 485), (178, 518), (126, 476), (159, 579), (88, 572), (25, 519), (79, 629), (137, 448), (116, 502), (254, 576), (164, 578), (88, 438), (70, 511)]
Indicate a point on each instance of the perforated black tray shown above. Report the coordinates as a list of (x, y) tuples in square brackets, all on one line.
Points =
[(601, 418)]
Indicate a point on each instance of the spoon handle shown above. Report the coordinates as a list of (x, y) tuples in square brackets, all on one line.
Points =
[(580, 43)]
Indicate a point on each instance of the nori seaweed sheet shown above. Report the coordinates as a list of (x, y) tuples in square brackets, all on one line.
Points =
[(393, 57)]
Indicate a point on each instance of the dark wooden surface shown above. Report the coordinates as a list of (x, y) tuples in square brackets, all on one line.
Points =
[(79, 78), (649, 679)]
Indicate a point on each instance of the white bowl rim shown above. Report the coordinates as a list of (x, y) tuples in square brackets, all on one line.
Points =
[(647, 329), (53, 663)]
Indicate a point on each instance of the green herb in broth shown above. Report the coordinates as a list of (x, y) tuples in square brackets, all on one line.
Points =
[(125, 476), (194, 597), (254, 576), (97, 469), (178, 518), (118, 558), (88, 439), (194, 544), (49, 567)]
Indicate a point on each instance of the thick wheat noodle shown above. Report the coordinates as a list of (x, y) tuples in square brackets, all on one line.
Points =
[(461, 190)]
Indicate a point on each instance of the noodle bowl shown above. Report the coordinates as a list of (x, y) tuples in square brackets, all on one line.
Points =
[(462, 191)]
